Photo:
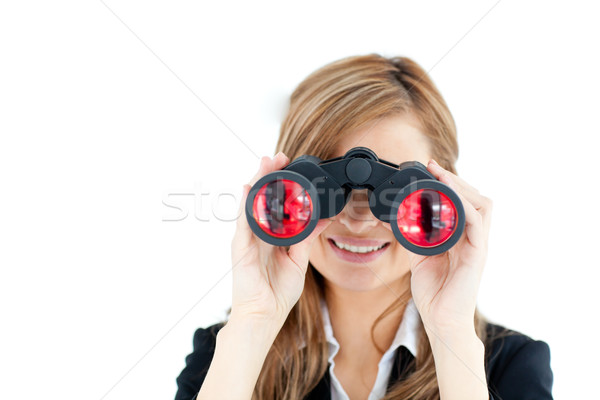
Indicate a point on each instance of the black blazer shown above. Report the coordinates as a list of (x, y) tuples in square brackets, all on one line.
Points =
[(517, 367)]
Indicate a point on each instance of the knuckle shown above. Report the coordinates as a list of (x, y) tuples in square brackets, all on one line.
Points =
[(489, 203), (444, 177), (477, 217)]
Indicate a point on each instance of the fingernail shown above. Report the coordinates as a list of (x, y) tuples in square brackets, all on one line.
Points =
[(434, 163)]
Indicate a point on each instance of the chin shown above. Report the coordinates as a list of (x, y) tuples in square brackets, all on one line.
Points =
[(358, 285), (352, 277)]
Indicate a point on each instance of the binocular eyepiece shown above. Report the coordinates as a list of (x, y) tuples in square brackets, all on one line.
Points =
[(426, 216)]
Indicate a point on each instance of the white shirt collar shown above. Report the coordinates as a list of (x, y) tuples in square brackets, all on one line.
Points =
[(407, 334)]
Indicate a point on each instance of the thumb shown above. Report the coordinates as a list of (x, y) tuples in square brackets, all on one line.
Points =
[(299, 252)]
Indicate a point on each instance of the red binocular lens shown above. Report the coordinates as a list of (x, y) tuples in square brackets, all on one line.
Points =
[(427, 218), (282, 208)]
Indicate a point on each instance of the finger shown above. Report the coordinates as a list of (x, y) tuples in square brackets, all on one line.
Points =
[(242, 237), (268, 165), (481, 203), (263, 168), (460, 181), (281, 160), (438, 171), (474, 222), (299, 252)]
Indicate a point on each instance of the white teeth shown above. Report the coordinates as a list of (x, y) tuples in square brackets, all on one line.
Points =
[(357, 249)]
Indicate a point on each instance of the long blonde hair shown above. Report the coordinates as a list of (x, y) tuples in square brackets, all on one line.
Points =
[(332, 100)]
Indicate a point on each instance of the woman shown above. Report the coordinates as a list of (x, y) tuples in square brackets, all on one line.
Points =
[(313, 321)]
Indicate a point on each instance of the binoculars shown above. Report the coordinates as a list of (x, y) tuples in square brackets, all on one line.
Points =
[(426, 216)]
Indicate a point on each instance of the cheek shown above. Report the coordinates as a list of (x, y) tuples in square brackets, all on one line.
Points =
[(317, 251)]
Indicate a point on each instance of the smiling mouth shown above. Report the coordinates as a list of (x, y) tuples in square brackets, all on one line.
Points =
[(358, 249)]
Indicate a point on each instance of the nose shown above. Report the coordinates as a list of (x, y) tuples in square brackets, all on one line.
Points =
[(356, 215)]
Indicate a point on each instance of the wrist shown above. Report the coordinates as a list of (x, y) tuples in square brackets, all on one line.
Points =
[(261, 332), (458, 336), (459, 357)]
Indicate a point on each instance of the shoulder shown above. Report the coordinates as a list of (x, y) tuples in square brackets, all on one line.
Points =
[(516, 364), (197, 362)]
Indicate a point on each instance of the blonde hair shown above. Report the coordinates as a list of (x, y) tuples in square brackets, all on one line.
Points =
[(334, 99)]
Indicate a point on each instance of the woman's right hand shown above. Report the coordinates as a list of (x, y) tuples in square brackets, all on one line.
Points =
[(267, 280)]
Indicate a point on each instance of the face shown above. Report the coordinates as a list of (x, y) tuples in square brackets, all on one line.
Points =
[(396, 139)]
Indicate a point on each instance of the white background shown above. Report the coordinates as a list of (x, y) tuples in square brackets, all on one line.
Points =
[(106, 109)]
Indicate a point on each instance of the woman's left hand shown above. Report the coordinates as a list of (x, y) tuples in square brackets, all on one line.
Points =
[(445, 286)]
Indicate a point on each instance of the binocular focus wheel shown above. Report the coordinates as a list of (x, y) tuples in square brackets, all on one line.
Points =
[(282, 208), (427, 217)]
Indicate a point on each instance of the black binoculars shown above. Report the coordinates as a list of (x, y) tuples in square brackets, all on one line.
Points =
[(426, 216)]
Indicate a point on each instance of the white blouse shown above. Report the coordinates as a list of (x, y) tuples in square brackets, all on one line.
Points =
[(407, 335)]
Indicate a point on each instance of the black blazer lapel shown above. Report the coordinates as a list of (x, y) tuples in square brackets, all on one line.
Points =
[(323, 389), (402, 366)]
